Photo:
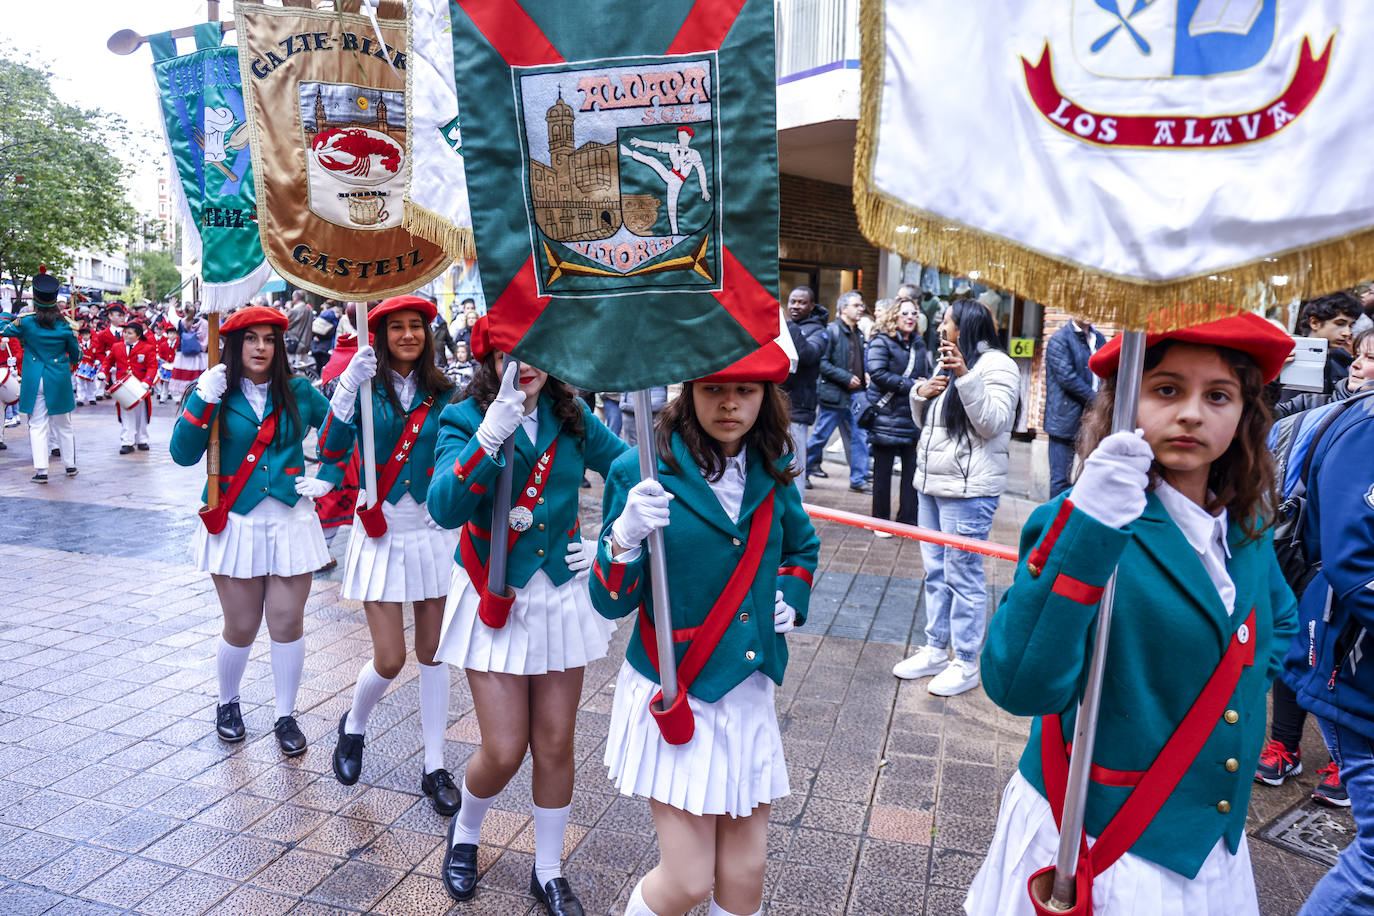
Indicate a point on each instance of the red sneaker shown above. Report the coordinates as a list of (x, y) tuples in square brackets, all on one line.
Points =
[(1331, 791), (1277, 763)]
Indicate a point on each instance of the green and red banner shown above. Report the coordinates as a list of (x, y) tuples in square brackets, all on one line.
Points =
[(621, 163)]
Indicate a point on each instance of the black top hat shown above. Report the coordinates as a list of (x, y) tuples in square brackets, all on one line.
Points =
[(45, 289)]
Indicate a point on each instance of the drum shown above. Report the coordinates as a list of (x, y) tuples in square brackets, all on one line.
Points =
[(9, 386), (86, 371), (164, 372), (128, 391)]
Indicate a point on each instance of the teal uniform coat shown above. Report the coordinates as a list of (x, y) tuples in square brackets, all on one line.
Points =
[(50, 357), (703, 547), (465, 476), (337, 439), (1169, 630), (281, 463)]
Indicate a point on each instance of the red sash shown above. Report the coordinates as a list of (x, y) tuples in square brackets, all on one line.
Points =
[(495, 609), (374, 522), (676, 722), (215, 519), (1154, 785)]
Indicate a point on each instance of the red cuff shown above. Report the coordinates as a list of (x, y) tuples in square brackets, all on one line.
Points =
[(798, 571), (1036, 561), (329, 454), (464, 468), (203, 421), (615, 580), (1066, 586)]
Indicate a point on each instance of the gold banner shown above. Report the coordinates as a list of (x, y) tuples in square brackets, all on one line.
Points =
[(326, 106)]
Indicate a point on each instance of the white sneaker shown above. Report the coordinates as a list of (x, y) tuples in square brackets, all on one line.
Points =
[(959, 677), (926, 661)]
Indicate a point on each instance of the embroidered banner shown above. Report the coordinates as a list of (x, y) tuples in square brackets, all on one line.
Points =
[(206, 131), (622, 172), (327, 112), (1119, 158)]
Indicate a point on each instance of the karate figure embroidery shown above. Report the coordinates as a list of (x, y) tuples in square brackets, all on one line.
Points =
[(682, 160)]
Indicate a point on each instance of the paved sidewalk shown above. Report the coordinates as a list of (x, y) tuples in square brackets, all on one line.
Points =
[(115, 795)]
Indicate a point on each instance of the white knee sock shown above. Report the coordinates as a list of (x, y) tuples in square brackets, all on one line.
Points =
[(637, 906), (718, 910), (370, 688), (469, 818), (230, 662), (288, 658), (434, 713), (550, 824)]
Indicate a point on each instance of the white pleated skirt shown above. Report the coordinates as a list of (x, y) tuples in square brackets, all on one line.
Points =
[(410, 562), (273, 539), (550, 628), (1027, 841), (733, 764)]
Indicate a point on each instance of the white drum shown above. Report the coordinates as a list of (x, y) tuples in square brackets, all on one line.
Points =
[(9, 386), (128, 391)]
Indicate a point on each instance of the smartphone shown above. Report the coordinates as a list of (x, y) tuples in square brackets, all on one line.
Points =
[(1307, 370)]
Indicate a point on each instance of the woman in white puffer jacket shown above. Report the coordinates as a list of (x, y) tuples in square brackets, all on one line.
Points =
[(965, 418)]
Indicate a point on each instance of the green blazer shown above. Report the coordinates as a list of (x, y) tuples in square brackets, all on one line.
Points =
[(337, 439), (50, 357), (283, 461), (465, 476), (703, 547), (1169, 630)]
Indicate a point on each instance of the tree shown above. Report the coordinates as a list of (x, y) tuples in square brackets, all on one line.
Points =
[(155, 275), (61, 186)]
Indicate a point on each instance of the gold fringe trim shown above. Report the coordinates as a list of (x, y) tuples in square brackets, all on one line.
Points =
[(1101, 297), (457, 241)]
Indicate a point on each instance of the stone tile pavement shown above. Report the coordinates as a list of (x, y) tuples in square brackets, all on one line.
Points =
[(115, 795)]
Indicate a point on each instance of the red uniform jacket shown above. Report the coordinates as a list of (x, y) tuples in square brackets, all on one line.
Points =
[(102, 340), (166, 350), (143, 363), (89, 357)]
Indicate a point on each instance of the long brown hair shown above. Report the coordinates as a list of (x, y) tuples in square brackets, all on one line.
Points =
[(430, 381), (1242, 479), (566, 406), (769, 435)]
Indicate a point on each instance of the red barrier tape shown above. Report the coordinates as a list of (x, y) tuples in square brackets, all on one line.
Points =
[(916, 533)]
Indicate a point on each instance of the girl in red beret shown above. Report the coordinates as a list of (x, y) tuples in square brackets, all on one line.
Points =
[(263, 542), (397, 552), (1181, 510)]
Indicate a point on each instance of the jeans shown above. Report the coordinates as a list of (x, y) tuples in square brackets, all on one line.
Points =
[(955, 589), (1061, 462), (799, 432), (611, 404), (855, 440), (1349, 886), (883, 456)]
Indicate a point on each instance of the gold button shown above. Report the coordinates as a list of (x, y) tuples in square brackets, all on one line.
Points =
[(614, 595), (744, 618), (541, 526), (1232, 716), (749, 655), (540, 551), (541, 500), (1232, 764), (735, 541), (1224, 807), (405, 483)]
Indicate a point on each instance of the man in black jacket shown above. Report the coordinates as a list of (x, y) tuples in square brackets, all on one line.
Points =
[(841, 375), (806, 323), (1068, 390)]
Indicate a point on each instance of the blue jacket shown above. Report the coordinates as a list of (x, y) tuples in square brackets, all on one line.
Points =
[(337, 438), (1068, 381), (50, 356), (811, 341), (1330, 665)]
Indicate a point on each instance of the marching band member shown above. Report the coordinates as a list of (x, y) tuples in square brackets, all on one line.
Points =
[(396, 552), (1180, 510), (263, 542), (86, 370), (741, 553), (45, 393), (166, 353), (136, 357), (524, 651)]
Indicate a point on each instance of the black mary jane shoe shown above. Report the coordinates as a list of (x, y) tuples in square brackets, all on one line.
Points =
[(556, 896), (348, 755), (289, 736), (439, 786), (460, 867), (229, 722)]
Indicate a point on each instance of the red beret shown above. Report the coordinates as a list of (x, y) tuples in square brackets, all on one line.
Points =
[(400, 304), (480, 342), (1248, 333), (767, 364), (254, 314)]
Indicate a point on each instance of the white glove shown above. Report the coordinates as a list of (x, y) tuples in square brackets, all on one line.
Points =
[(646, 509), (101, 376), (505, 413), (11, 362), (312, 487), (581, 553), (432, 524), (1111, 488), (361, 368), (212, 383), (784, 615)]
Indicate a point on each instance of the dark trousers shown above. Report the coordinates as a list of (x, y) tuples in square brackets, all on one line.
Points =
[(883, 456), (1288, 716), (1061, 462)]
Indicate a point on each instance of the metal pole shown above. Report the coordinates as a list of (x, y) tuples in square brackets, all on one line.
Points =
[(500, 510), (212, 448), (365, 414), (1085, 726), (658, 560)]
